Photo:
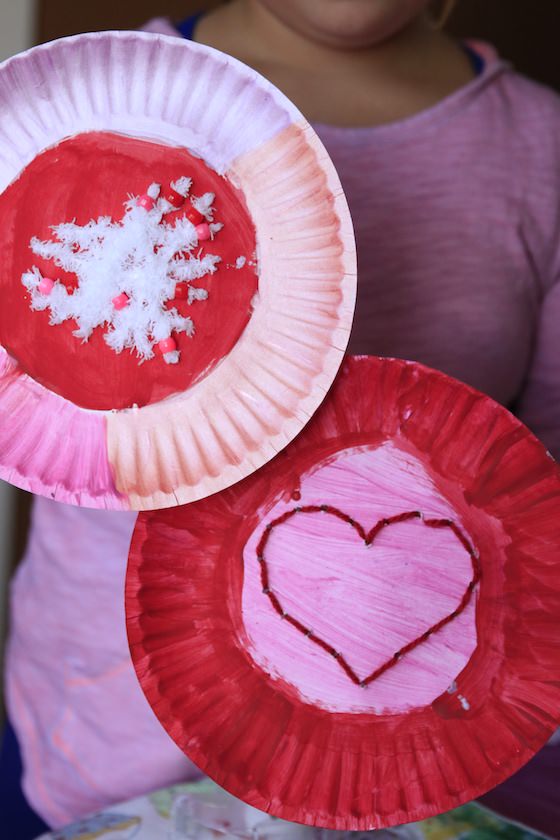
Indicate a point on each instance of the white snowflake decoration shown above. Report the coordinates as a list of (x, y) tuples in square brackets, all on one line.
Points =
[(138, 261)]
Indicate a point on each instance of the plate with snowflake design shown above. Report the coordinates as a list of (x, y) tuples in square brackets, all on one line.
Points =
[(177, 276)]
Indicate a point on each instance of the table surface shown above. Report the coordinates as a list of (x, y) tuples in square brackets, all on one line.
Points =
[(152, 817)]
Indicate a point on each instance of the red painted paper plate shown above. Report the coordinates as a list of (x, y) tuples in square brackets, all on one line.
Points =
[(177, 271), (365, 632)]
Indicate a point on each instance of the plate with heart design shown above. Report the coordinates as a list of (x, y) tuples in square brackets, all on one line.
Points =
[(177, 275), (364, 633)]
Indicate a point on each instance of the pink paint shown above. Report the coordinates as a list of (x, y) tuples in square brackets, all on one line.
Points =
[(370, 539), (46, 285), (52, 458), (151, 96), (367, 602)]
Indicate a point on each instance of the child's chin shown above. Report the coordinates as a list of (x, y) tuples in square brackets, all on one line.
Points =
[(347, 24)]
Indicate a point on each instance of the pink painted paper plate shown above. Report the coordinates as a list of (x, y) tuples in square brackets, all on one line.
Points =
[(177, 271), (365, 632)]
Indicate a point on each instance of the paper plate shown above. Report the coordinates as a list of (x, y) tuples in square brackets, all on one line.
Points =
[(365, 632), (89, 123)]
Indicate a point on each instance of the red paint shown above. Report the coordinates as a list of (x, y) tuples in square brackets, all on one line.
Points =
[(354, 771), (94, 175), (368, 537)]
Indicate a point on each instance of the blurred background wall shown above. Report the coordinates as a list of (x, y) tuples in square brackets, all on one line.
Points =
[(17, 26)]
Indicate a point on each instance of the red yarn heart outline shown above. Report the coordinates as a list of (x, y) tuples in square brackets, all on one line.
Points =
[(368, 537)]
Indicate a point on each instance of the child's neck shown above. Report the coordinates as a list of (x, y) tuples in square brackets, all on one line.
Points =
[(401, 76)]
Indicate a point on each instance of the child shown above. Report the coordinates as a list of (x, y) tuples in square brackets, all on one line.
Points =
[(450, 162)]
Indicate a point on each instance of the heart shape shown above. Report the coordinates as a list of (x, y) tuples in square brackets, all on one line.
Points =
[(368, 537)]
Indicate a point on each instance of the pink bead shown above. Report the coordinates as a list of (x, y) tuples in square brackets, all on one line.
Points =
[(46, 285), (203, 231), (146, 201), (120, 301), (168, 345)]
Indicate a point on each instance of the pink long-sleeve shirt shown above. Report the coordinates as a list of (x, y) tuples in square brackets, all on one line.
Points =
[(457, 218)]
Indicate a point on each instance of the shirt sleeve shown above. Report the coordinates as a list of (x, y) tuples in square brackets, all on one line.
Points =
[(539, 403)]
